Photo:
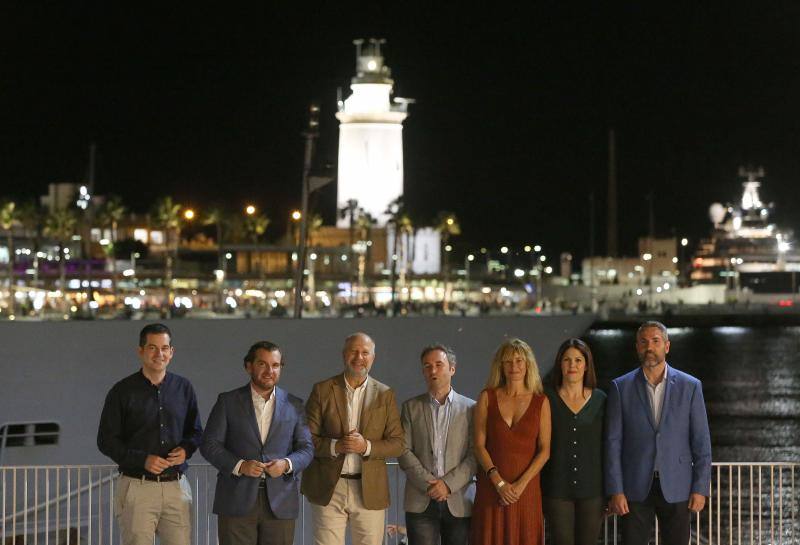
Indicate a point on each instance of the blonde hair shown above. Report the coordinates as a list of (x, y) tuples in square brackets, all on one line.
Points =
[(510, 348)]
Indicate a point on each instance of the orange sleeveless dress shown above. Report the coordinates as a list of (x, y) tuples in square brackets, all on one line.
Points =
[(512, 450)]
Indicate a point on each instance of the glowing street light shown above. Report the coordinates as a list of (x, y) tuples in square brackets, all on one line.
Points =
[(470, 257), (647, 257), (249, 209), (296, 215), (527, 248), (188, 214), (537, 248), (684, 241), (504, 249), (448, 248)]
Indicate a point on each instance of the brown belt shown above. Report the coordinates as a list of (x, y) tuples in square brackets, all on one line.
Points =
[(154, 478), (353, 476)]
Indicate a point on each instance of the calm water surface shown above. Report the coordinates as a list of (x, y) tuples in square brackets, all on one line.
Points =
[(751, 383)]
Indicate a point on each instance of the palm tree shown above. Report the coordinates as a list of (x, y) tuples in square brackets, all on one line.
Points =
[(10, 217), (313, 227), (402, 225), (60, 224), (364, 224), (109, 216), (255, 225), (448, 226), (221, 221), (167, 216), (32, 218), (350, 210)]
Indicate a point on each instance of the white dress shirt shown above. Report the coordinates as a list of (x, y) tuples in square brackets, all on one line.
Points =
[(656, 394), (355, 403), (440, 418), (265, 410)]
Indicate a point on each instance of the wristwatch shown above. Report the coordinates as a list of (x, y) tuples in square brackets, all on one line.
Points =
[(500, 484)]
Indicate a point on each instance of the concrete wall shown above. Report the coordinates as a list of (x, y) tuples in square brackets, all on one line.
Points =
[(61, 371)]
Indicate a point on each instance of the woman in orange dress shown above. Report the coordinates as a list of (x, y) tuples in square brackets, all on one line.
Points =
[(512, 444)]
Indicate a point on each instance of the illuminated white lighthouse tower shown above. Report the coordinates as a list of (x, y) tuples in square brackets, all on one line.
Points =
[(370, 137)]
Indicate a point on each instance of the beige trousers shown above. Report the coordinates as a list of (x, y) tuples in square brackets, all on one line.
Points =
[(367, 526), (146, 508)]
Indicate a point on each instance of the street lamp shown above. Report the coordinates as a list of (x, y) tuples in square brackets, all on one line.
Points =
[(295, 218), (469, 258), (188, 214), (249, 209), (648, 257)]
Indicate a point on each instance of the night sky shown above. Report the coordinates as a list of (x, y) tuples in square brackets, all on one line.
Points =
[(509, 130)]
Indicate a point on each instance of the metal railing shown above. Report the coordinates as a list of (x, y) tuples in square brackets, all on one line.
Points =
[(749, 504)]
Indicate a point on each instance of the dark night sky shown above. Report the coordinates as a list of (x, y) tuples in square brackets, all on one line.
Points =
[(509, 130)]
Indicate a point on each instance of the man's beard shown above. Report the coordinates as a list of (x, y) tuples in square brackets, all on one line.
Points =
[(356, 373), (649, 359)]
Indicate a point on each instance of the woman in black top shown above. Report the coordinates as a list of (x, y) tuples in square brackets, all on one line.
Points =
[(572, 481)]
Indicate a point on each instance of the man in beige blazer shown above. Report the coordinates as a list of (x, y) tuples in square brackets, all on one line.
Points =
[(355, 426)]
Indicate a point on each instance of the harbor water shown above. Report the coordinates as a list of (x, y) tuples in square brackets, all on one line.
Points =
[(751, 383)]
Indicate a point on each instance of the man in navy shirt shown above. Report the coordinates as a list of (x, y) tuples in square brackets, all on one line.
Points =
[(150, 426)]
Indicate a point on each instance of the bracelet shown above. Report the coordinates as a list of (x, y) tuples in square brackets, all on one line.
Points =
[(491, 470), (500, 484)]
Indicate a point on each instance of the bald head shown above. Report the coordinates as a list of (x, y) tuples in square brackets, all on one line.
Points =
[(358, 336), (358, 355)]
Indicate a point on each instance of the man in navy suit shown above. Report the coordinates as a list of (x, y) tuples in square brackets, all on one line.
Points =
[(258, 439), (658, 447)]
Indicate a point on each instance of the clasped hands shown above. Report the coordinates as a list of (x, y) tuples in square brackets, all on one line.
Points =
[(509, 492), (273, 468), (156, 464), (438, 490), (352, 443)]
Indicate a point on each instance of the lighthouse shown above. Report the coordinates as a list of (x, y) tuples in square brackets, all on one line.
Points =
[(370, 137)]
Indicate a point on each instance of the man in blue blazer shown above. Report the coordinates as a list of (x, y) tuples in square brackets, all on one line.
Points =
[(258, 439), (658, 446)]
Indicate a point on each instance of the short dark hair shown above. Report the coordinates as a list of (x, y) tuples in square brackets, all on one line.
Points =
[(250, 357), (153, 329), (448, 352), (652, 323), (589, 376)]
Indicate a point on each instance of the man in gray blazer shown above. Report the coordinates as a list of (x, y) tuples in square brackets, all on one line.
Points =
[(439, 462), (258, 439)]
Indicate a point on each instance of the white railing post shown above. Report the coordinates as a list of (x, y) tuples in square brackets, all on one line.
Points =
[(32, 494)]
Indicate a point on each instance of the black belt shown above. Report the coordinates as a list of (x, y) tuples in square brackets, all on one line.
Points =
[(154, 478), (353, 476)]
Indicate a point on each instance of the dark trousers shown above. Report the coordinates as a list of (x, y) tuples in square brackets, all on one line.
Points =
[(258, 527), (673, 519), (573, 522), (436, 521)]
